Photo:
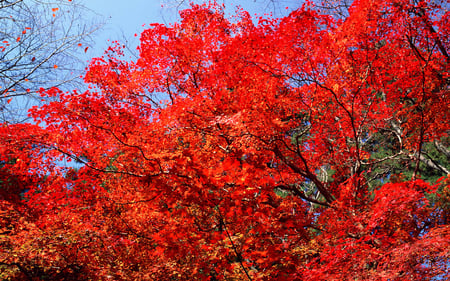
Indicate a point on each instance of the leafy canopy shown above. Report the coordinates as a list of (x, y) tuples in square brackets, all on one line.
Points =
[(299, 148)]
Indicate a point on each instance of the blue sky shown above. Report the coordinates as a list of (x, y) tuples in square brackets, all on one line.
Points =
[(123, 19)]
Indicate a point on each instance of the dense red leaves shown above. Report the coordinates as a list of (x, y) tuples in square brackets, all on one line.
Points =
[(231, 150)]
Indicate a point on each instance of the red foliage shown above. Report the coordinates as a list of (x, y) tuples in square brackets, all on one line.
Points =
[(231, 150)]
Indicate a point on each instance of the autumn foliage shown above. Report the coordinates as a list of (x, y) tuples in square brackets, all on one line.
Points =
[(242, 149)]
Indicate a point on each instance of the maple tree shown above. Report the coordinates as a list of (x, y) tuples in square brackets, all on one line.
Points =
[(235, 150)]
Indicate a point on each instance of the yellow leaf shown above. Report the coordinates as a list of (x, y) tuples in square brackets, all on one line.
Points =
[(336, 87)]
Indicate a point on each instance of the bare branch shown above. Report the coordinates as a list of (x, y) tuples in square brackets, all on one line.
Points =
[(41, 46)]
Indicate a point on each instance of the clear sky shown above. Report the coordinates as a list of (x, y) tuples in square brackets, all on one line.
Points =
[(122, 20), (126, 18)]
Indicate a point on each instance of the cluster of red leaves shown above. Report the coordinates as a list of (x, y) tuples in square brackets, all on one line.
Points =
[(207, 158)]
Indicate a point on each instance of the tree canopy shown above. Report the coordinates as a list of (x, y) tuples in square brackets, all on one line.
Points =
[(309, 147)]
